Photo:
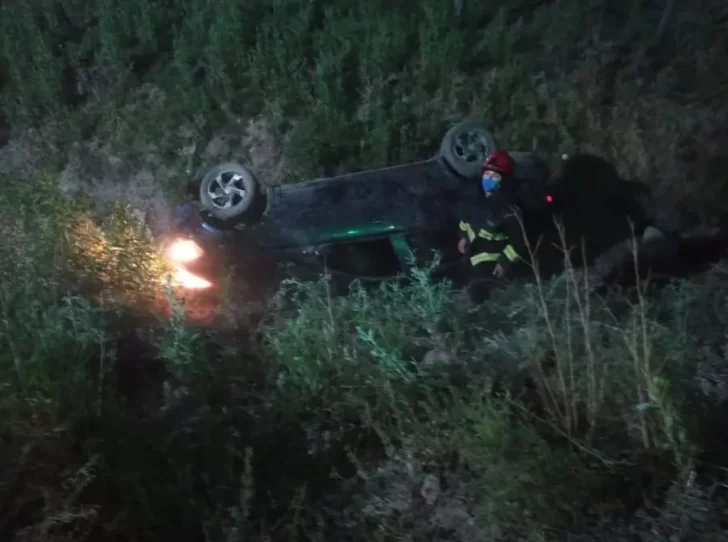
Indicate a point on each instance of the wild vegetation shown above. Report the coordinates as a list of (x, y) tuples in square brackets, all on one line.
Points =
[(389, 414)]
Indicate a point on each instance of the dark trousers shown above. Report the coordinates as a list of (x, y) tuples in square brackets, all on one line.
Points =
[(480, 281)]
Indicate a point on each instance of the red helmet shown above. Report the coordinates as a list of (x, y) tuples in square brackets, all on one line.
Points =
[(500, 162)]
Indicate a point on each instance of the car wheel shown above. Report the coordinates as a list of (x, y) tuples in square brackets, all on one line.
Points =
[(228, 191), (466, 145)]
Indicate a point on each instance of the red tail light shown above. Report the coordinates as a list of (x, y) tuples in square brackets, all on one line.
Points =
[(549, 198)]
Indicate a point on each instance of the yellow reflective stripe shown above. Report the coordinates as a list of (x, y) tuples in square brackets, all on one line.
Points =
[(492, 236), (464, 226), (483, 257), (511, 253)]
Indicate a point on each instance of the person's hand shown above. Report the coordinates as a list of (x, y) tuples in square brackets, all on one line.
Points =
[(499, 271), (462, 245)]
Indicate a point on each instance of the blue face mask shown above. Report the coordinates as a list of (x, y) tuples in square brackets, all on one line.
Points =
[(490, 184)]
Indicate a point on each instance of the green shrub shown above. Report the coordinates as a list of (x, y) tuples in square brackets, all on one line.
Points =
[(612, 379), (55, 332), (360, 85)]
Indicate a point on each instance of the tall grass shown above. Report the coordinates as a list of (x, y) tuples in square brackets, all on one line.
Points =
[(612, 381), (63, 277)]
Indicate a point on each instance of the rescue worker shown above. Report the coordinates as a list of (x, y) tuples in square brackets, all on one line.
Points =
[(492, 236)]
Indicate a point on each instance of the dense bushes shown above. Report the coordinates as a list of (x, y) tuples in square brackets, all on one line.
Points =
[(352, 85)]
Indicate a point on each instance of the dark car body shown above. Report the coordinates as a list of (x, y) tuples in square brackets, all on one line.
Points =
[(367, 225)]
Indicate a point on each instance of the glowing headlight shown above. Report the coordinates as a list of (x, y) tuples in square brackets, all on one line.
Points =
[(190, 281), (181, 252), (184, 251)]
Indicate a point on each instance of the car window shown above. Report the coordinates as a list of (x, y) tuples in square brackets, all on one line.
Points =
[(374, 258)]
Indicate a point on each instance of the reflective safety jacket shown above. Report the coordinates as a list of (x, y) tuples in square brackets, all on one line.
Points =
[(495, 234)]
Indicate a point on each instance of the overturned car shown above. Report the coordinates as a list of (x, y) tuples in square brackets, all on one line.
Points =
[(375, 225)]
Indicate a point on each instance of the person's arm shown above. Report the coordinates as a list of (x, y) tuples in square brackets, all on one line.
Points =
[(516, 248), (466, 236)]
